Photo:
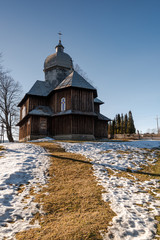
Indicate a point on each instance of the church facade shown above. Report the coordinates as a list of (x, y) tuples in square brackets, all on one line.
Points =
[(64, 106)]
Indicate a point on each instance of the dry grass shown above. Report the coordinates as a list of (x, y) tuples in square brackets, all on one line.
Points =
[(1, 148), (74, 209)]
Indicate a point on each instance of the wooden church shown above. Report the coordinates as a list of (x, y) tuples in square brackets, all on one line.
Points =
[(64, 106)]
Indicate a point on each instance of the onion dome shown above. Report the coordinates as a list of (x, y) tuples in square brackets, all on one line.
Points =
[(58, 59)]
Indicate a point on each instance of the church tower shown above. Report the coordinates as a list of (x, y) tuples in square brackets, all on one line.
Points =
[(57, 66)]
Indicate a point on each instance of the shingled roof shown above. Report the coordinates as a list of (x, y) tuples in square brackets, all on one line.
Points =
[(102, 117), (97, 100), (41, 88), (42, 111), (44, 88), (75, 80)]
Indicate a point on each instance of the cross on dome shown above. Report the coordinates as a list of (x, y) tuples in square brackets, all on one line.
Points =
[(59, 47), (60, 34)]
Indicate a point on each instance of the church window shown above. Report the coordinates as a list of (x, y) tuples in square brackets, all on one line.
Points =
[(23, 111), (63, 104), (43, 124)]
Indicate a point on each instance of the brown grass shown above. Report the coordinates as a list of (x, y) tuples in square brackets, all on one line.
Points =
[(74, 209), (2, 148)]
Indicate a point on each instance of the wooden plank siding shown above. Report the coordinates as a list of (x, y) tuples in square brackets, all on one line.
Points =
[(61, 125), (101, 129), (96, 108), (82, 124), (26, 106), (25, 129), (82, 100), (38, 126), (32, 102), (55, 100), (35, 101)]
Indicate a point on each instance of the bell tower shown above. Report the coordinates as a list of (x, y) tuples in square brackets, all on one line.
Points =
[(57, 66)]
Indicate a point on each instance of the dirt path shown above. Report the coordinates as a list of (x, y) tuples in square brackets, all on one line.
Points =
[(72, 200)]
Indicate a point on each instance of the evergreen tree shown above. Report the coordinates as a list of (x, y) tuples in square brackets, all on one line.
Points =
[(121, 124), (130, 125), (125, 123), (115, 124), (113, 127), (118, 124)]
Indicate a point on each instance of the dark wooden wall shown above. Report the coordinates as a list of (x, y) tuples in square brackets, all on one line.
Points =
[(41, 126), (72, 124), (82, 124), (26, 105), (96, 108), (101, 129), (32, 102), (61, 125), (25, 129), (82, 100), (55, 100), (35, 101)]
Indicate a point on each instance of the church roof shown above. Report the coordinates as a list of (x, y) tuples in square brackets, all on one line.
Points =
[(97, 100), (75, 112), (75, 80), (41, 88), (60, 58), (42, 111), (102, 117)]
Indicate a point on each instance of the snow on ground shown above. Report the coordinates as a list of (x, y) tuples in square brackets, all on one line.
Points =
[(128, 197), (46, 139), (21, 164)]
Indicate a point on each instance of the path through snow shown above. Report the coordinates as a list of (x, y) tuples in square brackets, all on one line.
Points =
[(24, 164), (135, 208)]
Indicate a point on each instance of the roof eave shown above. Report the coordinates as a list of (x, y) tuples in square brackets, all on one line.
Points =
[(23, 100)]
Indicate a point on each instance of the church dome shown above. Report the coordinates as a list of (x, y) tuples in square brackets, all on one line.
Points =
[(59, 59)]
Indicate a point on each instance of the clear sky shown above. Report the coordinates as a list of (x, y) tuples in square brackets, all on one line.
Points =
[(116, 42)]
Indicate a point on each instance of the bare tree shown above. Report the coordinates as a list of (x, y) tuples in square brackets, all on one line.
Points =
[(78, 69), (9, 97)]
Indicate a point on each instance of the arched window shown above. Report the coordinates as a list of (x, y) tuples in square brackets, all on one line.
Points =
[(63, 104)]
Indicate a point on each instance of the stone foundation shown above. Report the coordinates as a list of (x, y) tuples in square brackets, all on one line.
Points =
[(80, 137)]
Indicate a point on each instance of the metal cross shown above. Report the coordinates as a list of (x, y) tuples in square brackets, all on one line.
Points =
[(60, 34)]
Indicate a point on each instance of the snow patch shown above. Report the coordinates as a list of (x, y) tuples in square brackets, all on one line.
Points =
[(25, 165), (46, 139), (135, 208)]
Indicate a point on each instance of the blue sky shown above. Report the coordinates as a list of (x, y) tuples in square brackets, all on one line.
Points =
[(116, 42)]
